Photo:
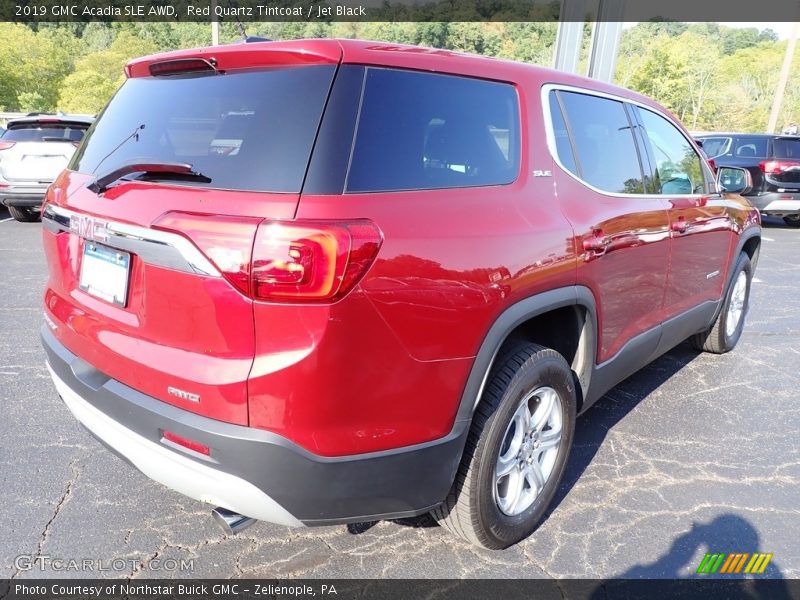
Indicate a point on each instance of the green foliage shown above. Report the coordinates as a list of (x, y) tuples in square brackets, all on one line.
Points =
[(711, 76), (98, 74), (32, 65)]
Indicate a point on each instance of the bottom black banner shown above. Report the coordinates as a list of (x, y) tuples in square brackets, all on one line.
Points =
[(391, 589)]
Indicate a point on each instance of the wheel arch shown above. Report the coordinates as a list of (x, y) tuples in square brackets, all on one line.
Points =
[(750, 244), (539, 319)]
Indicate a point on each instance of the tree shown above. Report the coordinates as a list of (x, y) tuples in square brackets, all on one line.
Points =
[(32, 66), (99, 74)]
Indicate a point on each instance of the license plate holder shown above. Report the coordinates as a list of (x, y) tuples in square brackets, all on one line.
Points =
[(105, 273)]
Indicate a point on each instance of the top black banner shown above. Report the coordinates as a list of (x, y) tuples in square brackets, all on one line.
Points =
[(25, 11)]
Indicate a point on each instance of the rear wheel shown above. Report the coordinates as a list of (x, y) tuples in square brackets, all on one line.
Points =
[(516, 451), (24, 215), (792, 220), (727, 329)]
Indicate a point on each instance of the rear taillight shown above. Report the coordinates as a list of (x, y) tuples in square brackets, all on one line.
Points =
[(181, 66), (776, 167), (283, 261), (6, 145), (226, 241), (311, 261)]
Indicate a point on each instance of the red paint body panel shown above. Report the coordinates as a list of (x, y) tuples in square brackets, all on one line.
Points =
[(261, 54), (628, 278), (702, 242), (178, 330)]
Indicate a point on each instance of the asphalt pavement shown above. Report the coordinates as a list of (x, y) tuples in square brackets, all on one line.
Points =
[(696, 453)]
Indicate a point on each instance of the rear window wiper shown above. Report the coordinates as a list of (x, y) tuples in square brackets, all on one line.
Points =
[(157, 170)]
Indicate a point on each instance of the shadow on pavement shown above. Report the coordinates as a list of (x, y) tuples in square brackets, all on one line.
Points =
[(727, 533)]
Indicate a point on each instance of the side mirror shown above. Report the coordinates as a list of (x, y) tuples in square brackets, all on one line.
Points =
[(734, 180)]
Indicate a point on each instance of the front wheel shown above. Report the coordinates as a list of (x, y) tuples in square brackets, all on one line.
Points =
[(516, 451), (24, 215), (724, 334)]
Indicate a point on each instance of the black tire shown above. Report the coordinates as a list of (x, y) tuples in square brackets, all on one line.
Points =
[(25, 215), (717, 339), (792, 220), (471, 510)]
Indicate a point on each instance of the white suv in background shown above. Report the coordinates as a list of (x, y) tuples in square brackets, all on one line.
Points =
[(33, 151)]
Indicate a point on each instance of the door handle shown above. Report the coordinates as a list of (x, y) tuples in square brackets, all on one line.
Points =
[(679, 226)]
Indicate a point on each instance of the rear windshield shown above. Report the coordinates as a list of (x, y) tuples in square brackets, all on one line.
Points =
[(786, 148), (46, 132), (244, 130)]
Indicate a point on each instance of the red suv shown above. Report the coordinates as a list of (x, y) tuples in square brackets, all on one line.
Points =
[(317, 282)]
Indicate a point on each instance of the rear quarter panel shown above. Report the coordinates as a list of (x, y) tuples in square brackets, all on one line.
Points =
[(390, 361)]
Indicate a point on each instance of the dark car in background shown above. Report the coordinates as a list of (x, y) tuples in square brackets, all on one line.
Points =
[(774, 163), (33, 151)]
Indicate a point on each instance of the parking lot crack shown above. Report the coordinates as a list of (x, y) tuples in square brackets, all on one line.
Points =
[(59, 505)]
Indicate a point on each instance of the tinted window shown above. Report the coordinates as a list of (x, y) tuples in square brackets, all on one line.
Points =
[(563, 145), (607, 157), (716, 146), (46, 132), (751, 147), (679, 169), (426, 131), (786, 148), (246, 130)]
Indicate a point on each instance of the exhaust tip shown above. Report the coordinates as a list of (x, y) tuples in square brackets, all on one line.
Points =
[(231, 522)]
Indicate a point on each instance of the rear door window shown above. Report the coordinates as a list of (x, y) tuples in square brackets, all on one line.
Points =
[(750, 147), (679, 169), (245, 130), (428, 131), (607, 157), (561, 135)]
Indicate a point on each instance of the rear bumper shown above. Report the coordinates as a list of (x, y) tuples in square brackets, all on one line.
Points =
[(253, 472), (777, 203), (28, 196)]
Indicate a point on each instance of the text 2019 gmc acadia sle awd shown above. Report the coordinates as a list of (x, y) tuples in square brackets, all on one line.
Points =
[(318, 282)]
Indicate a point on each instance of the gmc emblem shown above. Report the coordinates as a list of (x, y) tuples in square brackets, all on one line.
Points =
[(89, 228)]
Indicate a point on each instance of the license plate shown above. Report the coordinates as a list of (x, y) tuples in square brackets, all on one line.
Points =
[(104, 273)]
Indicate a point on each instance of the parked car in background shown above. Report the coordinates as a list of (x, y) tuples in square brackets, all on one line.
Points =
[(33, 151), (342, 281), (774, 164)]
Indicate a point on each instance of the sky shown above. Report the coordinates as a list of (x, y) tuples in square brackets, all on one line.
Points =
[(784, 30)]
